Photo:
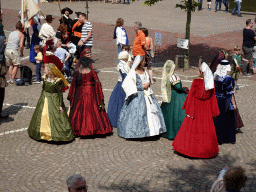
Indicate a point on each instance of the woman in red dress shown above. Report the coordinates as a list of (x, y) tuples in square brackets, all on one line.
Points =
[(87, 111), (197, 136)]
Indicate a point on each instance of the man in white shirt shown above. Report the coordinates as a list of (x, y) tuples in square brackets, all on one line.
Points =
[(237, 8), (47, 30)]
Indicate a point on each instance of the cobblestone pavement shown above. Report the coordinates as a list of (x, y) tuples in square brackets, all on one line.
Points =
[(111, 163)]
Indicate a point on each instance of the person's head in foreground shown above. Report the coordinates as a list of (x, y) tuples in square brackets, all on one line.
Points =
[(87, 53), (76, 183), (124, 55), (234, 179)]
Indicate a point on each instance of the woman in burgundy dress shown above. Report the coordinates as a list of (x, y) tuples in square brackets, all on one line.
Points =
[(87, 111), (197, 136)]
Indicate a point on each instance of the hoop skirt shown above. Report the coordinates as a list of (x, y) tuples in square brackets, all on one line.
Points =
[(225, 123), (48, 122), (116, 103), (87, 115), (173, 112), (141, 115), (197, 136)]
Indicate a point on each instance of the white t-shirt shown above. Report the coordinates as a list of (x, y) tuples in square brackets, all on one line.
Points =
[(120, 36)]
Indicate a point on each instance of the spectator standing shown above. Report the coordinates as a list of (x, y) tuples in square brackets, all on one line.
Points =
[(76, 30), (249, 38), (3, 72), (218, 2), (230, 180), (38, 60), (149, 54), (200, 6), (121, 36), (139, 45), (226, 2), (86, 40), (47, 30), (76, 183), (254, 60), (237, 8), (209, 2), (15, 40), (236, 65)]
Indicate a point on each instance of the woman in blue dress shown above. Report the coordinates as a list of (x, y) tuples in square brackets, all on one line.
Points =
[(35, 40), (117, 97), (141, 115), (225, 124)]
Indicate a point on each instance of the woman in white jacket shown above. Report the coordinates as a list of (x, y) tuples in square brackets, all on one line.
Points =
[(120, 35)]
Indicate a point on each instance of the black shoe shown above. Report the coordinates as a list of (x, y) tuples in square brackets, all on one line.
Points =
[(4, 116), (240, 15), (232, 13), (239, 130)]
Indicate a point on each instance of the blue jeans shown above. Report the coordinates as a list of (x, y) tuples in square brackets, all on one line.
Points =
[(119, 50), (200, 7), (38, 71), (237, 8), (127, 1), (225, 2), (66, 69), (216, 4)]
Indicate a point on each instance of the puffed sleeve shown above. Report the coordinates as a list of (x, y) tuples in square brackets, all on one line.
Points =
[(189, 104), (98, 89), (59, 85), (72, 90)]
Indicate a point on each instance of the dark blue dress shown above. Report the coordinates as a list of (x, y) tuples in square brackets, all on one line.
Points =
[(35, 40), (116, 101), (225, 123)]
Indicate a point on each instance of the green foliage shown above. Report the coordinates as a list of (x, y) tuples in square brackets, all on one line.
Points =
[(188, 5)]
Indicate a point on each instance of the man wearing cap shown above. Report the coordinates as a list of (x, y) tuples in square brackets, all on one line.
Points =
[(47, 30), (66, 19)]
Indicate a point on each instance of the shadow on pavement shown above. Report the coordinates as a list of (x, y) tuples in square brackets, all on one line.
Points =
[(192, 178), (12, 110), (196, 50)]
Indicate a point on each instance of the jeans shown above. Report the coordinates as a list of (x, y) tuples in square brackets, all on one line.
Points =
[(127, 1), (66, 69), (38, 71), (200, 7), (237, 7), (216, 4), (225, 2), (119, 48)]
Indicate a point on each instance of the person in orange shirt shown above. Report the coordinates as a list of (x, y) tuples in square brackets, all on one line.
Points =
[(139, 45), (149, 54)]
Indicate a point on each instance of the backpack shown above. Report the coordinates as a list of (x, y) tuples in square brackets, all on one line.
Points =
[(25, 76)]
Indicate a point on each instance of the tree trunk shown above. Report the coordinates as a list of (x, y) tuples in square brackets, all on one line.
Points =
[(189, 10)]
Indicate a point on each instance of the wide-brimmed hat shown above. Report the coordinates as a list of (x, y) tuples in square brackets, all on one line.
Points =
[(66, 9), (49, 17)]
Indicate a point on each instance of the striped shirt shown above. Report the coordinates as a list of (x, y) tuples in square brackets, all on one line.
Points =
[(86, 28)]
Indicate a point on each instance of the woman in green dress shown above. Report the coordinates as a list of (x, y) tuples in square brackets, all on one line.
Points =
[(174, 96), (50, 120)]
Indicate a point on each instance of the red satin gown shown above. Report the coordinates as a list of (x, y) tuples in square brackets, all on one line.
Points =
[(86, 116), (197, 136)]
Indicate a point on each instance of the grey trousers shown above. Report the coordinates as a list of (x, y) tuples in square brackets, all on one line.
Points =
[(247, 55)]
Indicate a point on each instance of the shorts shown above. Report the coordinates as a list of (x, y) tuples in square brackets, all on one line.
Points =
[(247, 52), (12, 56), (254, 63)]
